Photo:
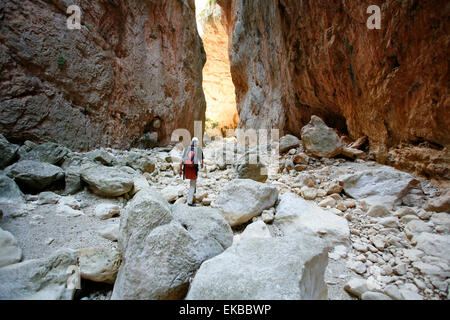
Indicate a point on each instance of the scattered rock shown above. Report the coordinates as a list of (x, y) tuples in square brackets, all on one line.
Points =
[(434, 245), (10, 252), (105, 211), (416, 227), (99, 264), (439, 204), (34, 175), (48, 197), (66, 211), (327, 202), (356, 287), (301, 158), (390, 222), (309, 193), (357, 266), (288, 142), (9, 191), (371, 295), (8, 152), (320, 140), (106, 181), (110, 231), (351, 152), (40, 279), (102, 156), (48, 152), (381, 185), (256, 229), (296, 215), (250, 166), (378, 210), (172, 193), (136, 221), (241, 200)]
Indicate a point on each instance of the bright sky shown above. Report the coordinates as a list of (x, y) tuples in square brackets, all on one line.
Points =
[(199, 6)]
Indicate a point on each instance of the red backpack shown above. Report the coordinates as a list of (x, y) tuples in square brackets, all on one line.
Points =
[(189, 162)]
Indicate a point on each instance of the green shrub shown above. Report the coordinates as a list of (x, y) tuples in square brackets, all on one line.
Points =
[(61, 61)]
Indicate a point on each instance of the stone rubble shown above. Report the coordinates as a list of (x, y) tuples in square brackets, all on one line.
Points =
[(383, 238)]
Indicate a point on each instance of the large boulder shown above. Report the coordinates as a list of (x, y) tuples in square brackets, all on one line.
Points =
[(102, 156), (107, 181), (439, 204), (34, 175), (139, 161), (47, 152), (8, 152), (157, 267), (285, 268), (242, 199), (9, 191), (384, 185), (99, 264), (207, 227), (172, 193), (296, 215), (162, 251), (146, 211), (10, 251), (288, 142), (434, 245), (320, 140), (72, 178), (40, 279), (12, 201)]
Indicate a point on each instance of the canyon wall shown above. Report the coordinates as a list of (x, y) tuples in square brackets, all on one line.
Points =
[(291, 59), (133, 67), (221, 112)]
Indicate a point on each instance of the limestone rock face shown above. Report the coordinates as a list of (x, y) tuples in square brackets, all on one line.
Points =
[(131, 65), (292, 59), (286, 268)]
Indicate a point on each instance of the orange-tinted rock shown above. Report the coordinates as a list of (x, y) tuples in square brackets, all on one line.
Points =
[(292, 59), (132, 62), (217, 84)]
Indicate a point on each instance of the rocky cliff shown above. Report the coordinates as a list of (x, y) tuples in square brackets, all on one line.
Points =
[(291, 59), (133, 67)]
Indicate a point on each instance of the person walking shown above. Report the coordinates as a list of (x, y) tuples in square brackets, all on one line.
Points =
[(189, 167)]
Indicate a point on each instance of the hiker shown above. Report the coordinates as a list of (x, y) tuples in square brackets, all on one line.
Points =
[(192, 157)]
